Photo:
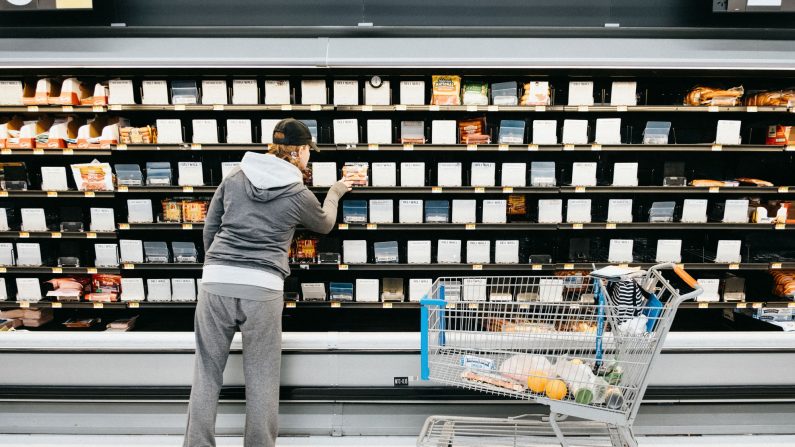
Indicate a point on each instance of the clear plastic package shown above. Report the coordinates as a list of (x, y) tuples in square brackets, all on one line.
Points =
[(437, 211), (656, 132), (354, 211), (184, 252), (156, 252), (129, 175), (184, 92), (476, 93), (662, 212), (158, 173), (504, 93), (386, 252), (542, 173), (412, 132), (357, 172), (341, 291), (511, 132)]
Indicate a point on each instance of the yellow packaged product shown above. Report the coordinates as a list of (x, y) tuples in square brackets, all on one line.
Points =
[(446, 90)]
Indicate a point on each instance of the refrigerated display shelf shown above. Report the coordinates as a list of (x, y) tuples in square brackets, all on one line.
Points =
[(67, 152), (357, 305), (57, 235), (224, 147), (382, 108), (59, 270), (161, 226), (167, 189), (30, 193), (747, 190)]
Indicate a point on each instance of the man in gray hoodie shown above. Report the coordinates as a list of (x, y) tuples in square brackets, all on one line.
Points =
[(247, 235)]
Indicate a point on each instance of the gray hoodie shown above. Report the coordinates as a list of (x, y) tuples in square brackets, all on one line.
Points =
[(252, 218)]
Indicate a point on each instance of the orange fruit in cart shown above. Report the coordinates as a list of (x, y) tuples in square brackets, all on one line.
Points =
[(556, 389), (537, 381)]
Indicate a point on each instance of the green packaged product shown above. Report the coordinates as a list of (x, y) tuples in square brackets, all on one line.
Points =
[(476, 93)]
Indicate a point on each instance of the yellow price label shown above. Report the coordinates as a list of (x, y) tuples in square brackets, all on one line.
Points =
[(3, 193), (400, 107), (179, 107), (67, 109), (98, 109), (218, 107), (757, 305), (52, 193), (752, 109), (91, 270), (470, 226), (540, 108), (288, 107), (68, 152), (387, 305), (91, 235), (187, 189), (610, 226), (568, 147), (621, 108), (775, 266), (33, 108), (99, 305), (713, 109), (472, 147), (734, 266), (436, 189), (336, 304), (408, 147), (24, 234), (493, 108), (532, 148), (480, 189), (477, 267), (3, 270), (781, 226), (290, 304), (703, 305), (537, 267), (372, 226), (783, 189), (472, 305), (343, 266), (741, 305), (24, 304), (57, 270), (507, 190), (55, 235), (714, 189), (577, 226), (38, 151), (623, 265), (568, 266), (790, 304), (579, 189), (790, 148), (124, 226), (367, 108), (434, 108), (133, 304), (313, 107), (90, 194), (123, 188), (115, 107), (717, 147), (195, 146), (502, 147), (342, 226), (57, 305), (121, 147), (596, 147), (187, 226), (128, 266), (6, 151), (372, 147), (582, 108)]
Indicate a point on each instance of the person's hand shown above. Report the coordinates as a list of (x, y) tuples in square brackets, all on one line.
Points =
[(348, 183)]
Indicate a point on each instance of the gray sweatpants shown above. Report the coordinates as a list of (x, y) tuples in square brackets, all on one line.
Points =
[(217, 319)]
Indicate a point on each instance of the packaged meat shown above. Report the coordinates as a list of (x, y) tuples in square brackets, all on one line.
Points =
[(494, 380), (356, 172), (446, 90), (476, 93), (94, 176), (473, 131), (535, 94), (779, 98), (779, 135), (708, 96)]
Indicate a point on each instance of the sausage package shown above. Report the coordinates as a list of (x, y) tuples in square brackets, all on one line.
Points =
[(446, 91)]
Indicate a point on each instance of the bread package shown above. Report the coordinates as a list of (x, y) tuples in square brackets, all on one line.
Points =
[(708, 96)]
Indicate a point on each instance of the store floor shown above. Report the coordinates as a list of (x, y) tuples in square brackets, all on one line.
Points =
[(355, 441)]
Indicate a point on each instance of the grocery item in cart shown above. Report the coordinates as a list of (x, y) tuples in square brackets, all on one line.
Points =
[(708, 96), (493, 380), (446, 90)]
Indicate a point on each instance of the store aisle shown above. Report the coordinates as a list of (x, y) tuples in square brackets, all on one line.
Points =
[(314, 441)]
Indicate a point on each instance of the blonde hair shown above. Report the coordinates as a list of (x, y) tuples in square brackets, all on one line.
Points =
[(286, 153)]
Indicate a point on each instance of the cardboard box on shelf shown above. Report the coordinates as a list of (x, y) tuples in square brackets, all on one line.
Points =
[(245, 91), (11, 92), (45, 89)]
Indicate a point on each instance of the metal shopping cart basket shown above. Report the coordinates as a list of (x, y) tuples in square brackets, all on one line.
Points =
[(583, 345)]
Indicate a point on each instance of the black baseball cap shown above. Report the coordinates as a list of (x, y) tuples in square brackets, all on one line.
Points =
[(292, 132)]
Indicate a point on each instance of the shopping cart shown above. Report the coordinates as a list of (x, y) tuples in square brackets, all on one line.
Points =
[(569, 342)]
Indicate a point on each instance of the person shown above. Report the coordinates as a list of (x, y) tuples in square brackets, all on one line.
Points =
[(247, 234)]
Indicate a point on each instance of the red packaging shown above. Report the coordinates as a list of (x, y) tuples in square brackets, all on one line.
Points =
[(779, 135)]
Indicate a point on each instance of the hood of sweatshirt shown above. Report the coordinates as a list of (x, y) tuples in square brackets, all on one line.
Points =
[(270, 177)]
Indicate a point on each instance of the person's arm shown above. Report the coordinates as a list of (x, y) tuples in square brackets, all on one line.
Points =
[(322, 219), (213, 220)]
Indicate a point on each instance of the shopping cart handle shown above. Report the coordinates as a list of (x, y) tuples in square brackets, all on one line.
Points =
[(689, 280)]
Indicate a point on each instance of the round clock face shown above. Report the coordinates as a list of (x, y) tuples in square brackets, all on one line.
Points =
[(376, 81), (20, 2)]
